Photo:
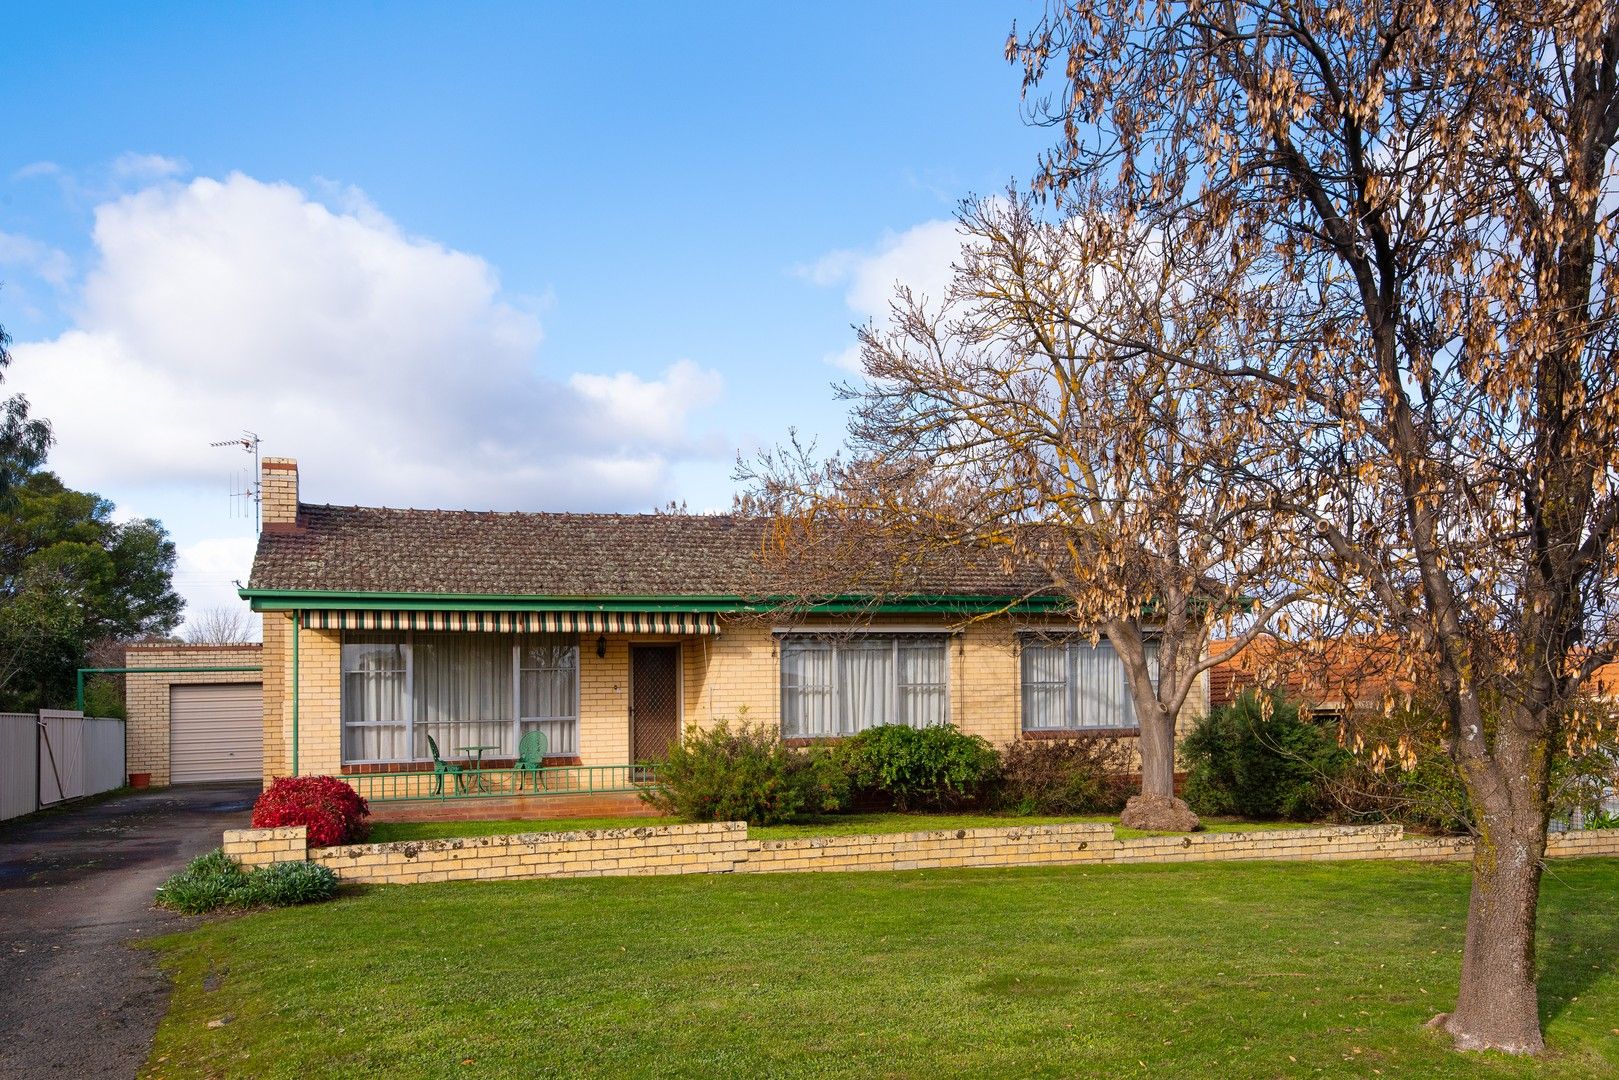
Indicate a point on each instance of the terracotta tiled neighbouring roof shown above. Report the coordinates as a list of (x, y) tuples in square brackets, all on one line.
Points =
[(376, 550), (1351, 673)]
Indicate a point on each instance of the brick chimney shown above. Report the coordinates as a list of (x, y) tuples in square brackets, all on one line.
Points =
[(278, 494)]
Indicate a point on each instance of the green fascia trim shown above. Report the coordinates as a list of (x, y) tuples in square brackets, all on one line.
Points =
[(292, 600)]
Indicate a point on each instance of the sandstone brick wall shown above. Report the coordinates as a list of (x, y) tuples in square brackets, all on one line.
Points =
[(1335, 842), (260, 847), (657, 849), (146, 696), (1032, 845), (725, 847)]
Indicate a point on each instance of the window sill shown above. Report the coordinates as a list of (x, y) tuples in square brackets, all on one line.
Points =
[(1045, 734)]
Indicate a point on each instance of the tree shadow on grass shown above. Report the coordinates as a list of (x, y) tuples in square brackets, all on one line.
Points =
[(1578, 938)]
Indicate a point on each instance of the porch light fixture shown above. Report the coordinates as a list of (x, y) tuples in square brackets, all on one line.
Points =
[(601, 646)]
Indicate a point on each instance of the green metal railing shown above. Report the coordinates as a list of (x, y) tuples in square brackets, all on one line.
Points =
[(503, 783)]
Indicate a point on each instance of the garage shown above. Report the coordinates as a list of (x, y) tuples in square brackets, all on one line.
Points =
[(216, 732)]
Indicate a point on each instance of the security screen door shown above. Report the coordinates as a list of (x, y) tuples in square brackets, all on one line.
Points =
[(654, 701)]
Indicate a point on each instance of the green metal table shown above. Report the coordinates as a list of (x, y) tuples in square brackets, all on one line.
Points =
[(476, 754)]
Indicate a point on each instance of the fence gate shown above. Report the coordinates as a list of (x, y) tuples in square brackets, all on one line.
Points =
[(61, 756)]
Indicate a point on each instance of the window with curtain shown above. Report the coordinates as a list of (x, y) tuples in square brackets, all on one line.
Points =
[(1073, 685), (376, 696), (548, 693), (840, 686), (461, 687), (462, 690)]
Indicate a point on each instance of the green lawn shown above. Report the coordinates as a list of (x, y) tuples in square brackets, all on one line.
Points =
[(835, 825), (1210, 970)]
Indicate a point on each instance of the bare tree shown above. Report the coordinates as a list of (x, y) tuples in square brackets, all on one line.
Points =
[(1426, 193), (220, 626), (1032, 417)]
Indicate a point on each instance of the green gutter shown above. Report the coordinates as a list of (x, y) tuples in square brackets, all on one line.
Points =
[(293, 600), (82, 672)]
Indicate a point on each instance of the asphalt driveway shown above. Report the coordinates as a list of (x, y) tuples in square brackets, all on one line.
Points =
[(75, 890)]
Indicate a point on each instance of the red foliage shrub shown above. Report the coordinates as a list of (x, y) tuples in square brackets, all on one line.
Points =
[(333, 812)]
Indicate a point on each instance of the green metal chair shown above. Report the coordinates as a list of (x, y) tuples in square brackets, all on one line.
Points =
[(530, 758), (442, 768)]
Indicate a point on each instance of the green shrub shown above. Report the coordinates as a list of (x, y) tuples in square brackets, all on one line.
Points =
[(747, 774), (929, 768), (1602, 819), (208, 882), (1241, 762), (289, 883), (1064, 776), (214, 881)]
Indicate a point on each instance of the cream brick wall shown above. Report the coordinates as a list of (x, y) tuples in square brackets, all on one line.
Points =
[(725, 847), (733, 675), (146, 696), (320, 717), (278, 491), (277, 666), (722, 677), (604, 702)]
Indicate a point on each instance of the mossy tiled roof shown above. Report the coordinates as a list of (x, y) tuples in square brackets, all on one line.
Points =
[(354, 549)]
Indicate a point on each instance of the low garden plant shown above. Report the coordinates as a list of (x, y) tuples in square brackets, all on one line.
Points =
[(214, 881), (746, 773), (928, 768), (1065, 776), (332, 811)]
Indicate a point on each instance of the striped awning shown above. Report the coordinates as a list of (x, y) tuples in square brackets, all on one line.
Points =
[(519, 622)]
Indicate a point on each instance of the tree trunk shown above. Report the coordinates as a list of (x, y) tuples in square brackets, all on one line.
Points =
[(1497, 1007), (1157, 748)]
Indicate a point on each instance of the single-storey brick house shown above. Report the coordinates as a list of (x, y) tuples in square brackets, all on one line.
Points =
[(388, 633)]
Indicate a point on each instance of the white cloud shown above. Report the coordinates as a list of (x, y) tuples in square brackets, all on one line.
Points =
[(49, 264), (920, 258), (142, 168), (391, 366), (207, 571), (655, 409), (37, 168)]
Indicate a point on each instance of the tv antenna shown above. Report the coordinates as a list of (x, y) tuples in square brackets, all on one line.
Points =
[(244, 491)]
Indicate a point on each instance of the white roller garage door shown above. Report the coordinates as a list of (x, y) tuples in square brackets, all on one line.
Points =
[(216, 733)]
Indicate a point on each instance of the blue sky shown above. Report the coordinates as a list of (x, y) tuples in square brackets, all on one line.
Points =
[(510, 256)]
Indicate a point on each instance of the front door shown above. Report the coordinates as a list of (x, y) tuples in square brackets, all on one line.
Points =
[(654, 701)]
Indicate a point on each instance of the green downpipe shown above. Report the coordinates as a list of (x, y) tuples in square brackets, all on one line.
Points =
[(297, 623)]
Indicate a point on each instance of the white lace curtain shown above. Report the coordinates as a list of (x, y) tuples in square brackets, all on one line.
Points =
[(399, 690), (1075, 684), (836, 687)]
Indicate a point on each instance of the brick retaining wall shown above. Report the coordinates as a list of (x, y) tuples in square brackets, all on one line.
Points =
[(725, 847)]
